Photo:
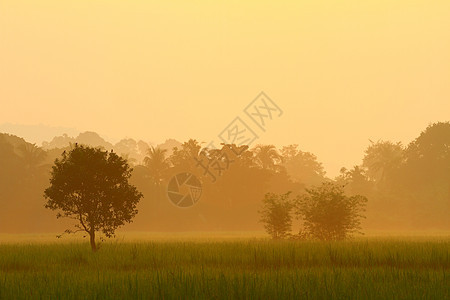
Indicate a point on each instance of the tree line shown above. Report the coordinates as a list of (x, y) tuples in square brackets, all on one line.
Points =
[(408, 187)]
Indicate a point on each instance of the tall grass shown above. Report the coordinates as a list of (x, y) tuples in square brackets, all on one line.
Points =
[(360, 269)]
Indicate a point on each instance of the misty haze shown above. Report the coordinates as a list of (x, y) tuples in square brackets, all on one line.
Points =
[(224, 150)]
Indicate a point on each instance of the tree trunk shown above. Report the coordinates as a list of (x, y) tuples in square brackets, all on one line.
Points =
[(92, 237)]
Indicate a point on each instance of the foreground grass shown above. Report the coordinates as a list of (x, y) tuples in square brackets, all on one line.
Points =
[(360, 269)]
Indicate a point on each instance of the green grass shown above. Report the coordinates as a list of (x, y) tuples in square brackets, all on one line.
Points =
[(371, 268)]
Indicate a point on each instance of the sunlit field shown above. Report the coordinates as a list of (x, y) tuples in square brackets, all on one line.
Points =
[(225, 266)]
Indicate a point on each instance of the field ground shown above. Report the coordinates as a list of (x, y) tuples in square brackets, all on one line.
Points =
[(224, 266)]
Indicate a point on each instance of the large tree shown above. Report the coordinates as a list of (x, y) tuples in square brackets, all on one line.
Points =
[(91, 186)]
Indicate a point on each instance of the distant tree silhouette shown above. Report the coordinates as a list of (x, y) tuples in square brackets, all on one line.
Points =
[(382, 159), (127, 156), (135, 151), (32, 157), (354, 181), (157, 163), (58, 142), (267, 157), (276, 215), (127, 148), (182, 157), (93, 139), (91, 186), (23, 176), (408, 187), (426, 175), (302, 166), (428, 156), (11, 167), (328, 214), (240, 182), (169, 145), (7, 154), (158, 166)]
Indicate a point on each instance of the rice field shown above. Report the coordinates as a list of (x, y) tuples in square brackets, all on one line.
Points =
[(242, 268)]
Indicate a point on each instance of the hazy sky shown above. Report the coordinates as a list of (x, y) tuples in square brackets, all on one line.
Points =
[(343, 72)]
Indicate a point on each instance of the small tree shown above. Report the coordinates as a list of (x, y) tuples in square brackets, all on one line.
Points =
[(328, 214), (276, 215), (91, 186)]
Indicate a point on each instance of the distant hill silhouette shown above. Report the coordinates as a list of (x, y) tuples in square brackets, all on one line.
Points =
[(36, 133), (134, 151), (88, 138)]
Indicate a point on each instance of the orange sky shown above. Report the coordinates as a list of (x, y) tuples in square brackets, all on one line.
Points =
[(343, 72)]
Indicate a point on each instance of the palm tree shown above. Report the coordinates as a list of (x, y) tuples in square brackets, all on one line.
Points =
[(157, 162), (32, 156), (267, 157), (158, 165)]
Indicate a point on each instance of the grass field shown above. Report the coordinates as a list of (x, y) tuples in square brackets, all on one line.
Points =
[(201, 268)]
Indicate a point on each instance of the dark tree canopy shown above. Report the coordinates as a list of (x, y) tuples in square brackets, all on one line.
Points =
[(428, 156), (91, 186), (276, 215), (328, 214)]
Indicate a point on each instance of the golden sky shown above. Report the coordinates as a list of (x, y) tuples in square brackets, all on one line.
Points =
[(343, 72)]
